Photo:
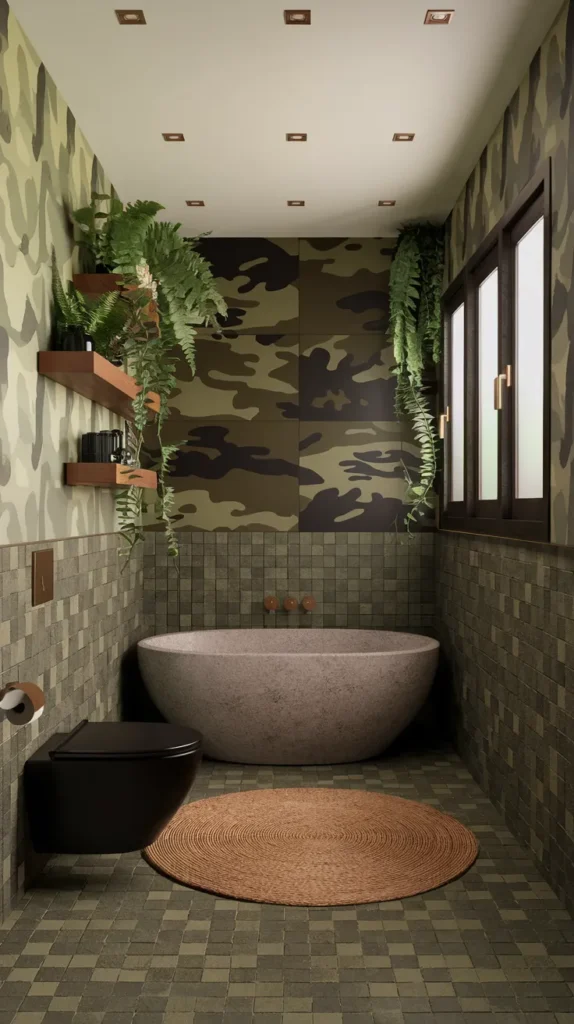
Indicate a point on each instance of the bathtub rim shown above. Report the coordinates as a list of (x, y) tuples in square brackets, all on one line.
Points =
[(429, 645)]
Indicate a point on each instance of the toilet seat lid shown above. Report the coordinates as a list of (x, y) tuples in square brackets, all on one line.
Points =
[(110, 741)]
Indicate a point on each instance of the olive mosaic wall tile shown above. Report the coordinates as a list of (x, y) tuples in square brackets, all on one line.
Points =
[(505, 618), (366, 580), (72, 648)]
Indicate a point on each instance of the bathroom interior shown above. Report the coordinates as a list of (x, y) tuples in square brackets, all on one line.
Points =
[(287, 512)]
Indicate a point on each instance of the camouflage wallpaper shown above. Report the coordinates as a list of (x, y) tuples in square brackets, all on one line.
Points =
[(289, 422), (47, 169), (537, 124)]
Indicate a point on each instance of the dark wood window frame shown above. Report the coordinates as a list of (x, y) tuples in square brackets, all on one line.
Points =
[(506, 516)]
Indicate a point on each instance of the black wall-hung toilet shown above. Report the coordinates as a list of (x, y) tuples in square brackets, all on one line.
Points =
[(108, 787)]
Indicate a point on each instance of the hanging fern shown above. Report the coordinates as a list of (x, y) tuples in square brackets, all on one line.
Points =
[(152, 256), (415, 327)]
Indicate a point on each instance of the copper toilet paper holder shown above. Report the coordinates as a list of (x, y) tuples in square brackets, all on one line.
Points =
[(22, 703)]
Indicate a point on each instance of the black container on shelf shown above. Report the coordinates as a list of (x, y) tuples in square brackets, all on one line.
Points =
[(110, 440), (90, 448), (102, 446), (73, 339)]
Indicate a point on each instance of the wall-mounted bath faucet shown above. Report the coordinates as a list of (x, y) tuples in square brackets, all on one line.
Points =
[(271, 604)]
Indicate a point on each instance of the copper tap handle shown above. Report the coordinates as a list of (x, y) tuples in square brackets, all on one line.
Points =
[(290, 604), (308, 603), (271, 603)]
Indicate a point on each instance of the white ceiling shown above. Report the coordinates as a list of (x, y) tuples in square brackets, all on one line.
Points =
[(234, 79)]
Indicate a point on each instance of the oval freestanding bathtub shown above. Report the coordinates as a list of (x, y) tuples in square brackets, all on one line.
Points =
[(290, 696)]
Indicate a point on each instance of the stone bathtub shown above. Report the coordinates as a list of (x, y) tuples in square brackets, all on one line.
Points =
[(290, 696)]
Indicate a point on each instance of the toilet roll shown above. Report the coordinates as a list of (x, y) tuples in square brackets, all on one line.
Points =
[(22, 702)]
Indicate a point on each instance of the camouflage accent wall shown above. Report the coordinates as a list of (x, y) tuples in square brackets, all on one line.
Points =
[(537, 124), (47, 169), (289, 422)]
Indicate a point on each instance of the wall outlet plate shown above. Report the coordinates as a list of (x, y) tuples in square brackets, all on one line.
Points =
[(42, 576)]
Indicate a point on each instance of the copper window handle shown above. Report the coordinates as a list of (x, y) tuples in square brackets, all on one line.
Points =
[(444, 418), (507, 377), (498, 391)]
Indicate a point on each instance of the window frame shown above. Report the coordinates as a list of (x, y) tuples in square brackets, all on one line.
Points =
[(507, 515)]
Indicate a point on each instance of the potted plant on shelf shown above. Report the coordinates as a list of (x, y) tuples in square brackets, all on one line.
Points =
[(98, 321), (415, 327), (169, 290)]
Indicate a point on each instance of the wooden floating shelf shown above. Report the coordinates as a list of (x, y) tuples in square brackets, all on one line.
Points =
[(100, 284), (109, 474), (90, 375)]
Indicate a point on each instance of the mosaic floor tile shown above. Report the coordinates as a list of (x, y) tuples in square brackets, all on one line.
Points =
[(105, 940)]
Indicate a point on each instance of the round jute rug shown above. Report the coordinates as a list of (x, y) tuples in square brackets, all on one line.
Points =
[(312, 847)]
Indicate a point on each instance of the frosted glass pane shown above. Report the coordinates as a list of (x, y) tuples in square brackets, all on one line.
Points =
[(457, 405), (529, 371), (487, 371), (446, 474)]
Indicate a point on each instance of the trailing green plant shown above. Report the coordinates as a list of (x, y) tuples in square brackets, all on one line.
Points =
[(415, 327), (159, 264)]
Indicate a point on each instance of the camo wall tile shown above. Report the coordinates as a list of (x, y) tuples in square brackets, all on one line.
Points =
[(240, 376), (47, 170), (345, 285), (289, 421), (346, 377), (538, 124), (235, 474), (351, 476), (258, 278)]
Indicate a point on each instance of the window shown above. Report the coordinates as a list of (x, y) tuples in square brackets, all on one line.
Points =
[(496, 373)]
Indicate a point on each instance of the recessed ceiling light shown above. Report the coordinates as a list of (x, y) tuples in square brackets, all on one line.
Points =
[(173, 136), (131, 17), (296, 136), (297, 17), (403, 136), (194, 202), (438, 17), (295, 202), (387, 202)]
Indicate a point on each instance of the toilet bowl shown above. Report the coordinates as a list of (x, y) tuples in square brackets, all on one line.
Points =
[(108, 787)]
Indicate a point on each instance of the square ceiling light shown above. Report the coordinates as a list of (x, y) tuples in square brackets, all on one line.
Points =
[(296, 136), (297, 17), (387, 202), (131, 17), (295, 202), (438, 17), (403, 137), (173, 136), (194, 202)]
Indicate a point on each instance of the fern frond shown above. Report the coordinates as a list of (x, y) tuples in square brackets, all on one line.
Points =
[(416, 332)]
